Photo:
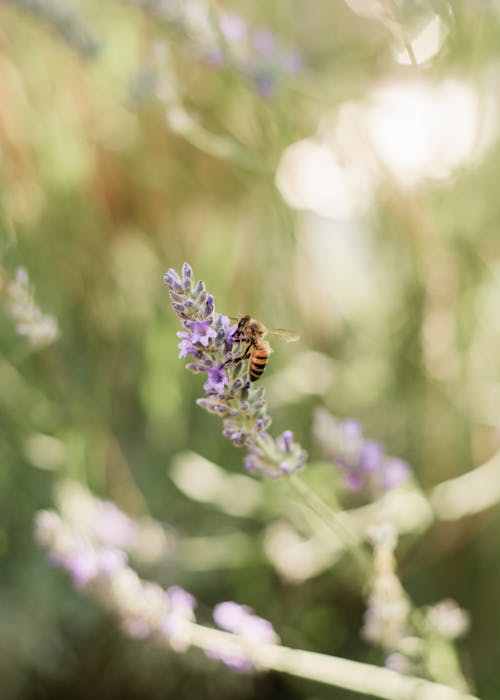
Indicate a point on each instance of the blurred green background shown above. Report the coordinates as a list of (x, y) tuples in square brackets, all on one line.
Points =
[(127, 148)]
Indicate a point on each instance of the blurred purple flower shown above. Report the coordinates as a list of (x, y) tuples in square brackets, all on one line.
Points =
[(264, 41), (293, 62), (265, 83), (175, 624), (394, 473), (112, 527), (40, 329), (233, 27), (252, 630), (81, 563), (362, 462), (111, 560)]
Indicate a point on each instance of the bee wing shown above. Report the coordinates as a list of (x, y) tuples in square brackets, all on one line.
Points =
[(284, 334)]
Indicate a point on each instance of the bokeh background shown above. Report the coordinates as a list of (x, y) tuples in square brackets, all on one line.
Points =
[(327, 167)]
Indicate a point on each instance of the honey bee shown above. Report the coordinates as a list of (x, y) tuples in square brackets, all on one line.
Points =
[(252, 332)]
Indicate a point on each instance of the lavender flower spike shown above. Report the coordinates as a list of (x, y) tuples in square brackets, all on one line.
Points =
[(143, 608), (362, 462), (251, 630), (210, 338), (40, 329)]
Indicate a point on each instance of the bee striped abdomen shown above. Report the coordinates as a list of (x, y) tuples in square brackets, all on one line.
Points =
[(258, 360)]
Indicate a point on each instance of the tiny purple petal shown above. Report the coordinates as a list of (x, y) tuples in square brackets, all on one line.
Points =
[(230, 616), (209, 305), (201, 332), (394, 473), (237, 661), (287, 436), (264, 41), (186, 348), (293, 62), (112, 527), (351, 430), (81, 565), (110, 560), (371, 457), (180, 310), (233, 27), (265, 84), (200, 287), (354, 481), (180, 600), (217, 379), (172, 279), (187, 276)]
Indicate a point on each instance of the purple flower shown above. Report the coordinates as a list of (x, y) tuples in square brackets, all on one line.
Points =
[(265, 83), (217, 379), (287, 437), (172, 279), (210, 338), (351, 430), (371, 457), (241, 620), (187, 277), (186, 345), (287, 455), (293, 62), (233, 27), (229, 330), (394, 473), (250, 628), (264, 41), (81, 563), (362, 462), (182, 602), (111, 560), (112, 527), (237, 661), (201, 332)]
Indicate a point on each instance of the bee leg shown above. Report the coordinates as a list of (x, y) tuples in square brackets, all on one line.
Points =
[(246, 354)]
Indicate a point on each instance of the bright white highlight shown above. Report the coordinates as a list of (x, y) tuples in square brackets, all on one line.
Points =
[(426, 44), (408, 131)]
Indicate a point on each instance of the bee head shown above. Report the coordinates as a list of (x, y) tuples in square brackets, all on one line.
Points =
[(243, 322)]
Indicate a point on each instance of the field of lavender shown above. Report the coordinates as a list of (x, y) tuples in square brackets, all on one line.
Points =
[(184, 187)]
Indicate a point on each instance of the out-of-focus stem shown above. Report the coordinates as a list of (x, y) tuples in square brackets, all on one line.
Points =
[(331, 519), (331, 670)]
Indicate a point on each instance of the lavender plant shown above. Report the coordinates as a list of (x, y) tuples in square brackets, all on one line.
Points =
[(99, 565), (91, 540), (64, 21), (208, 339), (216, 349), (222, 39), (40, 329), (94, 541), (363, 463)]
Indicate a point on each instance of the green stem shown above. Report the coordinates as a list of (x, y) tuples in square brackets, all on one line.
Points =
[(323, 511), (358, 677)]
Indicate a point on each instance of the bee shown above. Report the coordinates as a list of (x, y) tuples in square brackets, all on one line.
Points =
[(252, 332)]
